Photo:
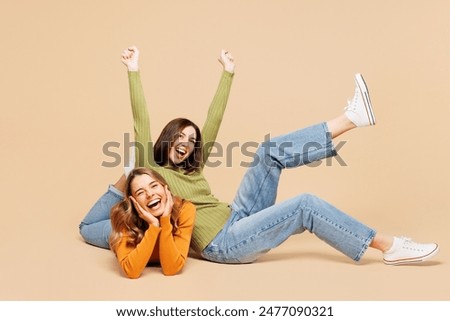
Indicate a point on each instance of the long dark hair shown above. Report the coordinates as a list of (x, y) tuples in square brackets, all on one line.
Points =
[(165, 141), (125, 219)]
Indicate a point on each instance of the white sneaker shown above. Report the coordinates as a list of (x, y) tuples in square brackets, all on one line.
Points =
[(359, 109), (405, 251)]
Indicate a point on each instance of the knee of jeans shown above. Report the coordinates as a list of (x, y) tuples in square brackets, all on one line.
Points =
[(81, 229), (263, 155), (84, 231), (259, 156), (93, 238), (250, 258), (308, 198)]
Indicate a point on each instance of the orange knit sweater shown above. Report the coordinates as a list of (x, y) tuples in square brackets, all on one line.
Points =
[(159, 244)]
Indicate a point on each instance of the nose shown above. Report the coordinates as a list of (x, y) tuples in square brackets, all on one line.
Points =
[(184, 140), (149, 194)]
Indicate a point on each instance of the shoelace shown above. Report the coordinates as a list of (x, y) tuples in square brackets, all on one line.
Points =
[(410, 244), (351, 103), (349, 106)]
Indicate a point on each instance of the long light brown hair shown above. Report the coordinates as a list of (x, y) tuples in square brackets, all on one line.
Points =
[(125, 218)]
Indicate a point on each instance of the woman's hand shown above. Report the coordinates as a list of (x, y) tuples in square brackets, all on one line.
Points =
[(227, 61), (130, 57), (169, 202), (146, 216)]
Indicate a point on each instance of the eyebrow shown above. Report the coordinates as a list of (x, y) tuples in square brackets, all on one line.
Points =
[(193, 135), (143, 188)]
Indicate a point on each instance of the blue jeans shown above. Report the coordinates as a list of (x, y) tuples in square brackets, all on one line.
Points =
[(96, 225), (257, 224)]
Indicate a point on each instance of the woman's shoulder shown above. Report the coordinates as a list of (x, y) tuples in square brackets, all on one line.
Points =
[(187, 206), (187, 213)]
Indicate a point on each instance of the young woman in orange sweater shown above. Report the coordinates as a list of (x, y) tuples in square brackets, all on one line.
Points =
[(150, 225)]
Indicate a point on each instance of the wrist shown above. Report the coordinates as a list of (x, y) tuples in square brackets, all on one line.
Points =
[(229, 70), (154, 222), (164, 220), (133, 67)]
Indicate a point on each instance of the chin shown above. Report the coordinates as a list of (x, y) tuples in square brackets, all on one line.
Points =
[(160, 212)]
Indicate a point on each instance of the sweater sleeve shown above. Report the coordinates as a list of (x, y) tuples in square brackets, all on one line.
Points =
[(141, 122), (215, 114), (174, 247), (133, 260)]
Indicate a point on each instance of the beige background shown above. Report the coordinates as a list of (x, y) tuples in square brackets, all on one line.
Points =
[(64, 94)]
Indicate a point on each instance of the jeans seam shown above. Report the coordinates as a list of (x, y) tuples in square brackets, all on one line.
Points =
[(366, 245), (262, 230), (329, 151), (365, 241), (267, 173)]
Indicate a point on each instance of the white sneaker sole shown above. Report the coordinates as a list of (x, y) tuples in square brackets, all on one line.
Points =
[(413, 260), (366, 98)]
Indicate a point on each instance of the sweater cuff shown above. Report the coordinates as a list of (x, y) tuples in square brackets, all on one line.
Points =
[(228, 74), (133, 74), (152, 229), (165, 223)]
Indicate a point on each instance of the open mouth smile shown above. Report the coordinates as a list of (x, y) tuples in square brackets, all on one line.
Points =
[(154, 203), (181, 151)]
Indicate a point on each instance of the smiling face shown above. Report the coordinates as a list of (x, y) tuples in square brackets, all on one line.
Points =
[(183, 146), (149, 193)]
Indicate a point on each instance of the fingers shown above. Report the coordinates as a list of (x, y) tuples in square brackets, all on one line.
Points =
[(169, 202), (130, 58), (135, 203), (168, 193), (226, 55), (130, 52), (132, 48), (169, 196), (127, 54), (138, 207), (143, 214), (133, 200), (227, 61)]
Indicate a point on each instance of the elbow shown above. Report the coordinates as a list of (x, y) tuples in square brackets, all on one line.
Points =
[(130, 271), (172, 270), (91, 238), (132, 274), (83, 230)]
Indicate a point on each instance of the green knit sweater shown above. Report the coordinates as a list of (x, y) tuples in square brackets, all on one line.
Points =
[(211, 213)]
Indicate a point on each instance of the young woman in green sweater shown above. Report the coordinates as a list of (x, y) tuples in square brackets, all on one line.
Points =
[(253, 223)]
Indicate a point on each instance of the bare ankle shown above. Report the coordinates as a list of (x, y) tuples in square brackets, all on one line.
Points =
[(382, 242)]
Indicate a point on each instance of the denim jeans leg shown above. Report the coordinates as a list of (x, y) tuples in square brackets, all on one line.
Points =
[(258, 189), (244, 240), (96, 225)]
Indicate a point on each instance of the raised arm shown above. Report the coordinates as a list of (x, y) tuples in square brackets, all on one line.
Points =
[(141, 120), (217, 108)]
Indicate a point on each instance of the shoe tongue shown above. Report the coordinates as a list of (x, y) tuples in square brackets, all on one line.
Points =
[(398, 242)]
